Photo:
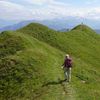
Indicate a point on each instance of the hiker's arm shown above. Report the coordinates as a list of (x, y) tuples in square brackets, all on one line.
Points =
[(62, 66)]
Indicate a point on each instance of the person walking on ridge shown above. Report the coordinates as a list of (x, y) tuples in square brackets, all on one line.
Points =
[(67, 66)]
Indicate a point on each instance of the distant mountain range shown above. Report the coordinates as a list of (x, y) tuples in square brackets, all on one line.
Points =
[(15, 26), (97, 31), (63, 24), (4, 23), (57, 24)]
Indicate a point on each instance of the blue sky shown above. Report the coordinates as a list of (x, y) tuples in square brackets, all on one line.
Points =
[(19, 10)]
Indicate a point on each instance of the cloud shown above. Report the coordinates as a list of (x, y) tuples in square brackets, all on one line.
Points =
[(43, 2), (46, 10), (93, 13), (92, 1), (38, 2), (13, 11)]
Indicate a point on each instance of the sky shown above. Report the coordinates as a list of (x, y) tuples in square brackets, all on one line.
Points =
[(18, 10)]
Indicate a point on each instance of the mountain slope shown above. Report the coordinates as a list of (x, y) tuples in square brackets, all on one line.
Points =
[(84, 41), (32, 72), (83, 44), (31, 58)]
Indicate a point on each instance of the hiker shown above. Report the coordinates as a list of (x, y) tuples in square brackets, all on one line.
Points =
[(67, 67)]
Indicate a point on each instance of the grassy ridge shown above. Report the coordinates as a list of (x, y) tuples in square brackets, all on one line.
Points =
[(83, 44), (31, 72), (30, 61)]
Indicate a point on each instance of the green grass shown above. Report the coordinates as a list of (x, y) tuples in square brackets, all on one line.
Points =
[(25, 73), (31, 57)]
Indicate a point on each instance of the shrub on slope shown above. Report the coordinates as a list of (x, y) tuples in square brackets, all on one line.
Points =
[(10, 44)]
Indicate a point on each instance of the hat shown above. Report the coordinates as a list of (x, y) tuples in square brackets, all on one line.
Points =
[(67, 55)]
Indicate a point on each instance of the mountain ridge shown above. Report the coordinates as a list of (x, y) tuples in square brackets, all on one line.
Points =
[(34, 70)]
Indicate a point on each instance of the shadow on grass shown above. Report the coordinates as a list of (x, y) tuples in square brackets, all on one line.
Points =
[(59, 82), (40, 92), (54, 82)]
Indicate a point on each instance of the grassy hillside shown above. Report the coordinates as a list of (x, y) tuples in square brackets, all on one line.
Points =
[(30, 61), (30, 69), (83, 44)]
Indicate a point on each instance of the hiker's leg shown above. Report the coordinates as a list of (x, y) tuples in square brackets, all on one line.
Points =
[(66, 73), (69, 74)]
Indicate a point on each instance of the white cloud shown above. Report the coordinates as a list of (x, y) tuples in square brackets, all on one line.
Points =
[(92, 1), (38, 2), (53, 9), (13, 11), (93, 13), (42, 2)]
